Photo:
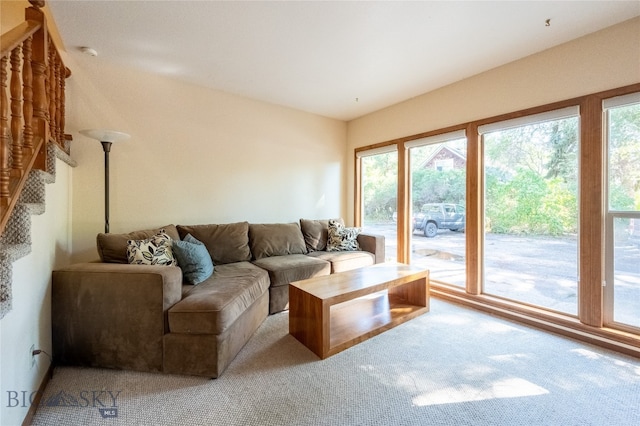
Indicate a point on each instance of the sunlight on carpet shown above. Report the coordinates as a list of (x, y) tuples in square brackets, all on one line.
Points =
[(507, 388)]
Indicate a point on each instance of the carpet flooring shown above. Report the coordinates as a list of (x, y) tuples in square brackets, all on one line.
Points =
[(450, 366)]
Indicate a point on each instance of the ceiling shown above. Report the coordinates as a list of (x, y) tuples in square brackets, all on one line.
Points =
[(336, 59)]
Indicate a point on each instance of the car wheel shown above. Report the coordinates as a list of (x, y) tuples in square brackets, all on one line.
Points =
[(430, 230)]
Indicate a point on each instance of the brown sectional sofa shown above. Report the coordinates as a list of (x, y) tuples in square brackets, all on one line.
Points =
[(144, 317)]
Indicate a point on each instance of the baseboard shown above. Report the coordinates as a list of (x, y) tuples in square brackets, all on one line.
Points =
[(36, 401)]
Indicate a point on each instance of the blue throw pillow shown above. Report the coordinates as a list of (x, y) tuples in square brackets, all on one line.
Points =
[(193, 259)]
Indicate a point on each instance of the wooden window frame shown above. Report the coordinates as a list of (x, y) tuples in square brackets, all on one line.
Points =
[(588, 325)]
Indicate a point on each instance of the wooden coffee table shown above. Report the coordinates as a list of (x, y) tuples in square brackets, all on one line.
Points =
[(331, 313)]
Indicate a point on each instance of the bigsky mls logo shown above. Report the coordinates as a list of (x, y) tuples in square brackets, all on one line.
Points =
[(105, 401)]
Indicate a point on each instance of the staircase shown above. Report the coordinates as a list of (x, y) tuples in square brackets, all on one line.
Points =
[(15, 241), (32, 119)]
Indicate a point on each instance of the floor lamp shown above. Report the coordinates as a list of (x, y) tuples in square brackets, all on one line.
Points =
[(106, 138)]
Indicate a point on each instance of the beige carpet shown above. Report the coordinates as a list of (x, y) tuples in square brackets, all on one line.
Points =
[(451, 366)]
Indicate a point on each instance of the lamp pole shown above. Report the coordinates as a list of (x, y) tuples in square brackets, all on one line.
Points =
[(106, 146), (106, 138)]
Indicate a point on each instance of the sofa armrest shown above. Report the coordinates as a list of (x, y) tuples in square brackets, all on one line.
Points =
[(373, 244), (112, 315)]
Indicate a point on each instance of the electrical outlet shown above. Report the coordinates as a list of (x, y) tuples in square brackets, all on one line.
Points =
[(32, 356)]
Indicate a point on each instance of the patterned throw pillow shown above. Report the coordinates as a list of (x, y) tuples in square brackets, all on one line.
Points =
[(155, 250), (342, 238)]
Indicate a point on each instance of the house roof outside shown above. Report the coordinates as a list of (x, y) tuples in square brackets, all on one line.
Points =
[(445, 152)]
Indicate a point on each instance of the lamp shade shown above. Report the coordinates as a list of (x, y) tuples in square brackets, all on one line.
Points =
[(103, 135)]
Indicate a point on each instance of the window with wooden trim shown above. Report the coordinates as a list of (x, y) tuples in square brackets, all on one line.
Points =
[(622, 268), (379, 189), (531, 209), (563, 175), (438, 198)]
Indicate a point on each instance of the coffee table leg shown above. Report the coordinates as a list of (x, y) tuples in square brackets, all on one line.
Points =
[(306, 320), (415, 292)]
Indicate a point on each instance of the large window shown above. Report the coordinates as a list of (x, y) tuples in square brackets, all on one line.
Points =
[(531, 209), (438, 198), (622, 290), (550, 198), (379, 183)]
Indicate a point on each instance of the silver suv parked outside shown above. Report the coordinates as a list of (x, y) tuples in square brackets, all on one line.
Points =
[(434, 216)]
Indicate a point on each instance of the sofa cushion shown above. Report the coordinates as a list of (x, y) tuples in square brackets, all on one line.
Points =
[(193, 259), (342, 238), (275, 239), (293, 267), (155, 250), (226, 243), (315, 233), (345, 260), (112, 248), (212, 306)]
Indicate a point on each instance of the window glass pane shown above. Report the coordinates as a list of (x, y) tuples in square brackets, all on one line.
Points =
[(624, 158), (380, 198), (438, 176), (531, 214), (623, 170), (626, 271)]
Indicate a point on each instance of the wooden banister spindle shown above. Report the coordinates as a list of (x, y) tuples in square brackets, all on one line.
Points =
[(4, 134), (63, 107), (40, 47), (59, 79), (27, 94), (39, 97), (16, 113), (40, 57), (51, 91)]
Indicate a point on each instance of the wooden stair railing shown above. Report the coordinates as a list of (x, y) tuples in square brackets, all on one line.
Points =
[(32, 87)]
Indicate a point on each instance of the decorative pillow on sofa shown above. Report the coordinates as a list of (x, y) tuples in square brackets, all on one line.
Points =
[(152, 251), (342, 238), (193, 258), (226, 243), (112, 248), (275, 239), (316, 233)]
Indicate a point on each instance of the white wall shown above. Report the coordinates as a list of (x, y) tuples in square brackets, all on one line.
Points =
[(600, 61), (195, 155), (29, 322)]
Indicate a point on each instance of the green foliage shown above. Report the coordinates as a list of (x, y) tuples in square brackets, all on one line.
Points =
[(531, 179), (380, 186), (433, 186), (624, 158), (619, 198), (563, 143), (530, 204)]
